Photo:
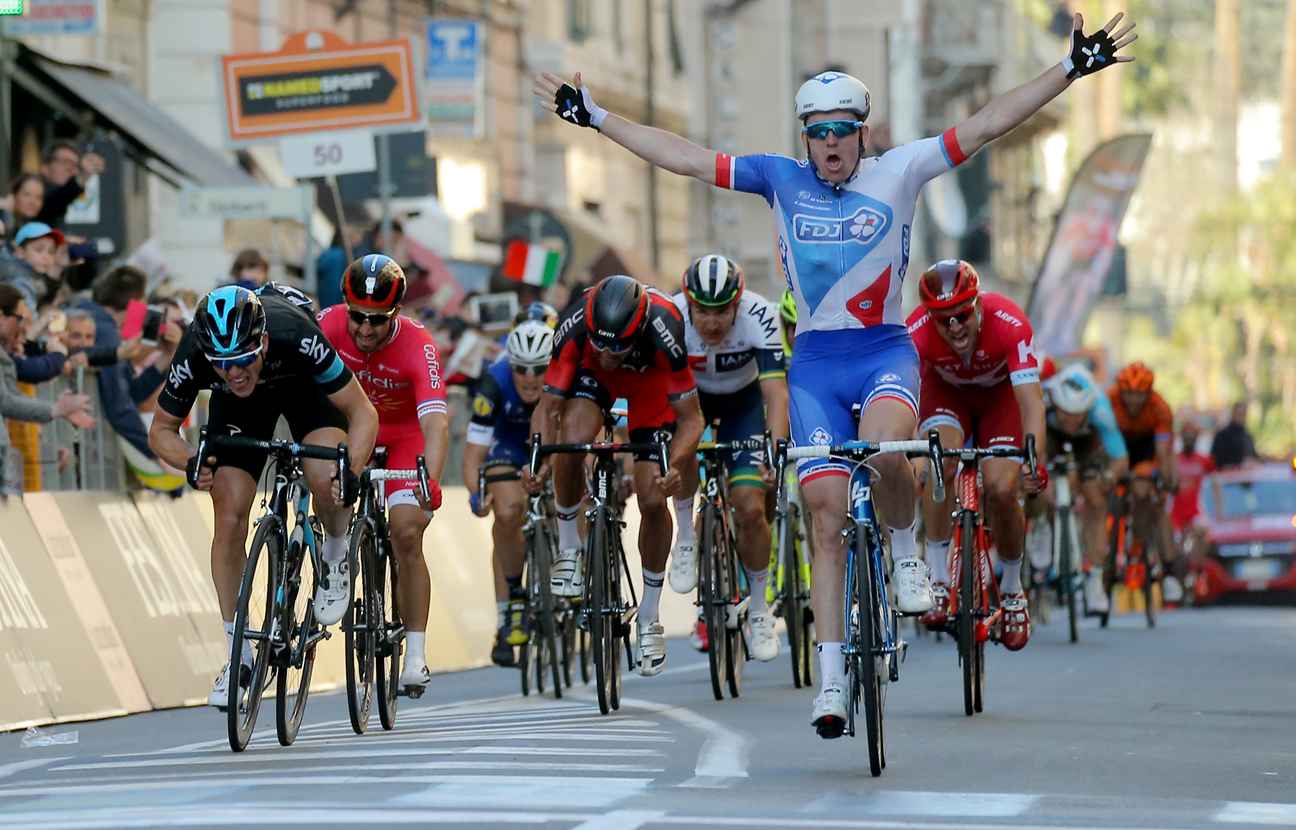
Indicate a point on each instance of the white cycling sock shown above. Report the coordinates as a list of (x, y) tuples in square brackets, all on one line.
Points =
[(684, 521), (832, 668), (335, 549), (501, 613), (904, 542), (414, 644), (652, 588), (938, 560), (1011, 582), (229, 644), (756, 581), (568, 532)]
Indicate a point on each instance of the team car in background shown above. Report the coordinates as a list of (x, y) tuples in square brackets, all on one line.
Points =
[(1247, 532)]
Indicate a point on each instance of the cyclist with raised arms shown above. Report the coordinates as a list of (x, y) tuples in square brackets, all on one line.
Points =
[(621, 340), (980, 378), (264, 357), (497, 439), (1080, 415), (399, 368), (734, 348), (843, 225)]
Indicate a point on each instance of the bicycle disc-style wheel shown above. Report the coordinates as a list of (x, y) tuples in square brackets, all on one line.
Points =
[(253, 621), (866, 642), (966, 625), (602, 630), (792, 597), (361, 629), (387, 660), (298, 658), (1066, 573), (711, 595)]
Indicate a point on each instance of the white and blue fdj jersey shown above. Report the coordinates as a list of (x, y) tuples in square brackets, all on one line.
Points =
[(752, 350), (844, 248)]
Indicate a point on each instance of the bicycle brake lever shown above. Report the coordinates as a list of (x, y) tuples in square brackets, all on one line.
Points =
[(936, 456), (534, 462), (421, 464)]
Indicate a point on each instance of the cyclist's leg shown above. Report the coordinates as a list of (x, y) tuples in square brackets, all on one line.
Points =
[(313, 419), (654, 548), (943, 409), (683, 555), (509, 506), (582, 418), (406, 524)]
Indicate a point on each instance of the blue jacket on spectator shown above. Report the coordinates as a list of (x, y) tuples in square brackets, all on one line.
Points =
[(20, 275), (120, 392)]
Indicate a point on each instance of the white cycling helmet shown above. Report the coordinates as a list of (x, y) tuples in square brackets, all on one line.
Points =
[(829, 91), (1073, 390), (530, 343)]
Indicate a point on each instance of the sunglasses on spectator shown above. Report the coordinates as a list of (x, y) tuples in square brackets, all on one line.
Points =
[(528, 371), (241, 362), (960, 317), (374, 320), (820, 129)]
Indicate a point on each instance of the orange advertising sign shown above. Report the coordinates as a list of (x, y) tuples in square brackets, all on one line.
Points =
[(319, 82)]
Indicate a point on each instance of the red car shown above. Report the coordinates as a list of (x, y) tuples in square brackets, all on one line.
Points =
[(1248, 521)]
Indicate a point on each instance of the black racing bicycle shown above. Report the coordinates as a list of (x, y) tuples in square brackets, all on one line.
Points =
[(375, 635), (604, 610), (274, 616)]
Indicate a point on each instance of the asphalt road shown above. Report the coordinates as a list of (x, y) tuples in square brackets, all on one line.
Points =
[(1192, 724)]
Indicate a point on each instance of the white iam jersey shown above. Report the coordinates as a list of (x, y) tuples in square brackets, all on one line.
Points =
[(752, 351)]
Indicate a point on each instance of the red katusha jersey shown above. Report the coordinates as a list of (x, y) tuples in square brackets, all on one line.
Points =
[(1004, 351), (402, 377)]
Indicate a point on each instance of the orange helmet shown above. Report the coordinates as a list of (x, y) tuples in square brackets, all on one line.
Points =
[(948, 284), (1136, 377)]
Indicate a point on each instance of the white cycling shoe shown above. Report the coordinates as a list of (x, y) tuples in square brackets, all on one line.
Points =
[(829, 715), (652, 649), (219, 696), (683, 568), (413, 675), (762, 642), (1171, 588), (913, 586), (566, 576), (1095, 594), (334, 593)]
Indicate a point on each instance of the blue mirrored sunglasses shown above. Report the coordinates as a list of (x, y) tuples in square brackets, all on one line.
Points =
[(240, 362), (820, 129)]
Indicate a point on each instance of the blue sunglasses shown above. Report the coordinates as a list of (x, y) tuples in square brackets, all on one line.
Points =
[(841, 129), (240, 362)]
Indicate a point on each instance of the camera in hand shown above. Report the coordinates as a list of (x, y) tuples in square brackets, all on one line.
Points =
[(151, 331)]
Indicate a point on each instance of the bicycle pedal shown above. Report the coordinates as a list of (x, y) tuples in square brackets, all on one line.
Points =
[(735, 613), (413, 692)]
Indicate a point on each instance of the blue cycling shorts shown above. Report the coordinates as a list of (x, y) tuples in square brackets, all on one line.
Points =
[(832, 372), (741, 415), (506, 453)]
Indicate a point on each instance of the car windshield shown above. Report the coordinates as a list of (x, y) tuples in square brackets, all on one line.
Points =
[(1239, 499)]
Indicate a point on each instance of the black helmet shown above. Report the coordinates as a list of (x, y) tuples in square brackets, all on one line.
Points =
[(713, 280), (615, 311), (229, 322), (374, 281)]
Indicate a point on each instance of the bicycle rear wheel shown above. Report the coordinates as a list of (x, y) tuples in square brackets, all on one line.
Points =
[(791, 596), (387, 655), (1066, 572), (602, 629), (866, 643), (735, 647), (965, 628), (298, 658), (1149, 597), (360, 629), (256, 607), (711, 595), (547, 612)]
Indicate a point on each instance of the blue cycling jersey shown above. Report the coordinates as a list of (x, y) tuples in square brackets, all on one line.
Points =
[(500, 418), (844, 248)]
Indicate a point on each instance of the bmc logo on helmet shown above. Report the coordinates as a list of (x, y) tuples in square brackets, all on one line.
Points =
[(866, 226)]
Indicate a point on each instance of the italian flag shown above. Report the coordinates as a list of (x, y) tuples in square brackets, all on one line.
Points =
[(531, 264)]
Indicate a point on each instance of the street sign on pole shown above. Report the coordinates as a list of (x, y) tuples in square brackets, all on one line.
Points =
[(52, 17), (327, 154), (319, 82), (455, 75), (245, 203)]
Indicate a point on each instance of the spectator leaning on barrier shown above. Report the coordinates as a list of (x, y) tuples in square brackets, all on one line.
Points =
[(15, 315), (65, 171)]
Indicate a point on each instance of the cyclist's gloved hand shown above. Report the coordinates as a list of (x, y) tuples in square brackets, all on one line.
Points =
[(434, 494), (193, 471), (1090, 53), (474, 503), (350, 487), (577, 106), (1036, 482)]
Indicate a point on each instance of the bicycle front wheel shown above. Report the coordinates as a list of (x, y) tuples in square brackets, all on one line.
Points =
[(866, 643), (1066, 572), (361, 628), (712, 598), (253, 622), (546, 612), (967, 622), (387, 655), (602, 629), (297, 617)]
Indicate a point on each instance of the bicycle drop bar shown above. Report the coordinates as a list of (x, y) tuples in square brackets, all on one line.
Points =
[(661, 446), (863, 450), (277, 447), (376, 474)]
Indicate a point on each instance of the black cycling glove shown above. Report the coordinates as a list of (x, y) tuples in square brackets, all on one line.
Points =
[(192, 470), (577, 107), (1089, 53)]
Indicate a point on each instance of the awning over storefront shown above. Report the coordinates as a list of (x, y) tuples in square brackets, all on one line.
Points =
[(160, 142)]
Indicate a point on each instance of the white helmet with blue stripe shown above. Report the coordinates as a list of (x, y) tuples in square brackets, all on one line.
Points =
[(830, 91)]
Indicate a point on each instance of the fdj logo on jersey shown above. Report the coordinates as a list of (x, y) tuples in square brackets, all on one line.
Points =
[(866, 226)]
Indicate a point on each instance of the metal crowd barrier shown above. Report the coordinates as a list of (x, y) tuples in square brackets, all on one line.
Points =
[(97, 462)]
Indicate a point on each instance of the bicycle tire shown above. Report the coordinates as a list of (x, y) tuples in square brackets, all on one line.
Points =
[(360, 629), (387, 657), (1109, 572), (866, 641), (585, 653), (550, 618), (619, 627), (298, 659), (791, 600), (710, 593), (602, 634), (965, 626), (245, 698), (1149, 597), (735, 646), (567, 622), (1066, 573)]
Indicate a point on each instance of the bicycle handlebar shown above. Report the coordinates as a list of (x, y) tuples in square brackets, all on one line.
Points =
[(277, 447), (661, 446), (862, 450), (376, 474)]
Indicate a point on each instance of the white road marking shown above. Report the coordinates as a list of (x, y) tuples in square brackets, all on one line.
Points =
[(537, 791), (7, 770), (976, 805), (1257, 812), (621, 820)]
